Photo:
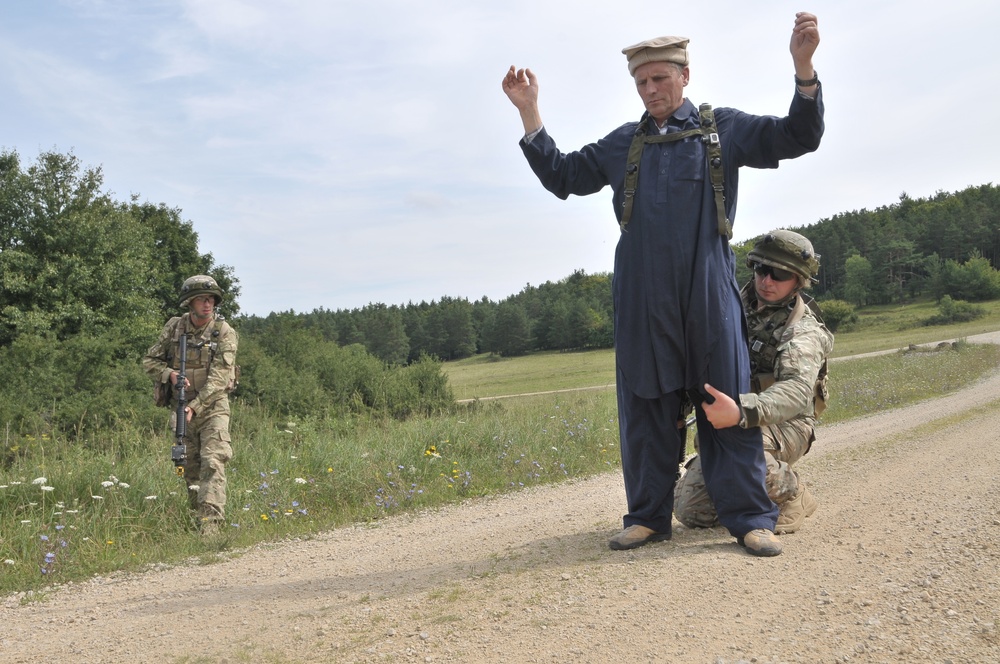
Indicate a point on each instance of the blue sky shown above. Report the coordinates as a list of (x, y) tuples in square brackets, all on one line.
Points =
[(337, 154)]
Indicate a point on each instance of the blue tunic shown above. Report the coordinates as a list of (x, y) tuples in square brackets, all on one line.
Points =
[(678, 316)]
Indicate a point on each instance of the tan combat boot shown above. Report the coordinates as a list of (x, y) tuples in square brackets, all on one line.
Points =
[(760, 542), (635, 536), (794, 512)]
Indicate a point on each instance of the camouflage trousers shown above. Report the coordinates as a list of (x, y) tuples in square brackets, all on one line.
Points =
[(784, 444), (208, 450)]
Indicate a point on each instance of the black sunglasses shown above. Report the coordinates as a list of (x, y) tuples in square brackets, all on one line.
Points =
[(777, 274)]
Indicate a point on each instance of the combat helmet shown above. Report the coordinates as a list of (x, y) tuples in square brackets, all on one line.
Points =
[(201, 284), (786, 250)]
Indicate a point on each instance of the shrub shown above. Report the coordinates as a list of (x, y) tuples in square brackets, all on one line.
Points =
[(838, 314)]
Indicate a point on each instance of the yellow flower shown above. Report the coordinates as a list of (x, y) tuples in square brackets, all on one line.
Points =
[(263, 517)]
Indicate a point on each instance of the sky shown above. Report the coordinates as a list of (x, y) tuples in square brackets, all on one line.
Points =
[(337, 154)]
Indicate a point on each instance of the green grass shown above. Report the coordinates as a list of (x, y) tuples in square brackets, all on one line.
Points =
[(491, 376), (887, 327), (111, 502)]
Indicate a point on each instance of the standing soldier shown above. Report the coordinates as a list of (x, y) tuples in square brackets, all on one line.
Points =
[(789, 345), (210, 377)]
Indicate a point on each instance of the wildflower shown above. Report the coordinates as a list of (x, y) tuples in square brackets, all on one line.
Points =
[(98, 497), (50, 558), (44, 538), (26, 521), (329, 470), (9, 562), (38, 480), (123, 485), (299, 480), (150, 497), (48, 488), (107, 484), (263, 517), (110, 542), (193, 487), (59, 526)]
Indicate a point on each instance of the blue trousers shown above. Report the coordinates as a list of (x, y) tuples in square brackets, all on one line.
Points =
[(732, 458)]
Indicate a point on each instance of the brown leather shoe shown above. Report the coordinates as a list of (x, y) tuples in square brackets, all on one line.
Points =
[(761, 542), (635, 536)]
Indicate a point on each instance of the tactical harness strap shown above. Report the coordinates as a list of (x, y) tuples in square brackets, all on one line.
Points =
[(764, 342), (713, 154)]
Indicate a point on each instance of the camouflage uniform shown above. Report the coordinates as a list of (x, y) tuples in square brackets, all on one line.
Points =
[(210, 369), (786, 361)]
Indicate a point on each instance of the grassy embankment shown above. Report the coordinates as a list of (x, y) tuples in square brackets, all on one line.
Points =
[(69, 511)]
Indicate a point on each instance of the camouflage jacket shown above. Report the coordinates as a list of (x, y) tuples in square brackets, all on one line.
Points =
[(786, 374), (211, 359)]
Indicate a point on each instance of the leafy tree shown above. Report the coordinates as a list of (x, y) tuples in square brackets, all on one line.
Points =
[(175, 257), (72, 260), (857, 280), (508, 333), (450, 329), (385, 336)]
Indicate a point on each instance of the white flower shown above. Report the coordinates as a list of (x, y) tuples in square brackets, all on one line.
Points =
[(3, 486), (39, 480), (98, 497), (107, 484), (193, 487), (123, 485), (48, 488), (299, 480), (150, 497), (113, 479), (72, 511), (9, 562), (26, 521)]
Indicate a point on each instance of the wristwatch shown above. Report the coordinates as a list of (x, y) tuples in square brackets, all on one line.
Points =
[(812, 81), (743, 419)]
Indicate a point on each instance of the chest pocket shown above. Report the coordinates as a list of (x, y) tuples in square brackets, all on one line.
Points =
[(682, 169)]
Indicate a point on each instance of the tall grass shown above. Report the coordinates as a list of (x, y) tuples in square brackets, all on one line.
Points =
[(68, 512)]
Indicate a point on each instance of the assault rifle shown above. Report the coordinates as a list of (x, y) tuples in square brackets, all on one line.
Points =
[(178, 453)]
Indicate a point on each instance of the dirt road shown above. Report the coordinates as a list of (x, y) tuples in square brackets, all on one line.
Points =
[(898, 565)]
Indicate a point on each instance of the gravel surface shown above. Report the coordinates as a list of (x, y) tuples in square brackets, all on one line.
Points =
[(899, 564)]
